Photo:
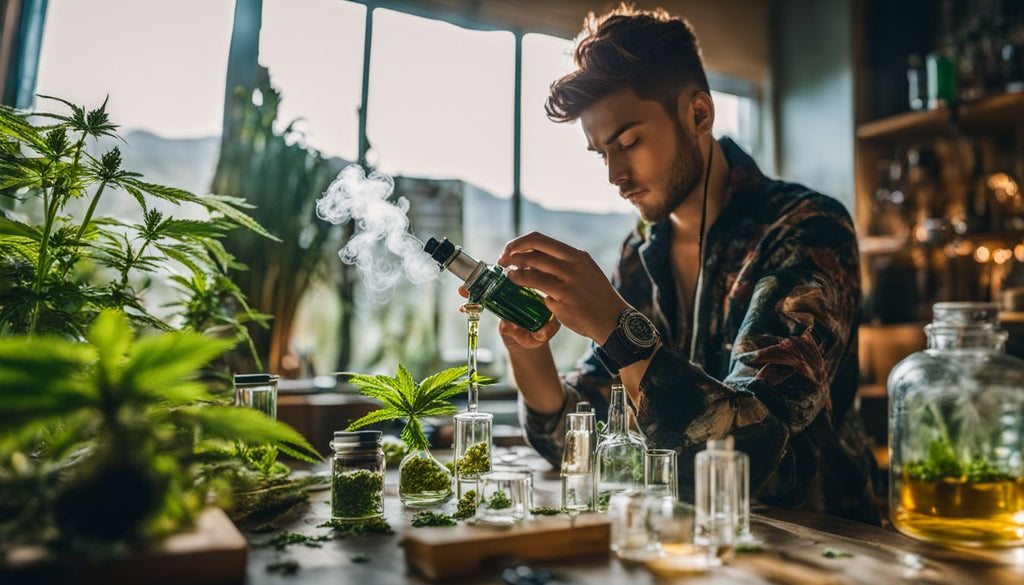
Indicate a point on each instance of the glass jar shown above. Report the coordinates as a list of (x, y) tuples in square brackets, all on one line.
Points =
[(474, 444), (722, 496), (620, 454), (578, 464), (257, 391), (423, 480), (956, 431), (661, 473), (357, 475)]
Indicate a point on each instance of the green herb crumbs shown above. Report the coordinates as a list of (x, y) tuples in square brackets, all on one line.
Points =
[(360, 558), (423, 475), (356, 494), (832, 553), (371, 526), (498, 501), (545, 511), (450, 466), (432, 519), (942, 462), (475, 460), (466, 507), (284, 539), (283, 567), (748, 548), (265, 528)]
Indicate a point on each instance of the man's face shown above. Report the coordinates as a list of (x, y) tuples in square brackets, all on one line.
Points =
[(652, 158)]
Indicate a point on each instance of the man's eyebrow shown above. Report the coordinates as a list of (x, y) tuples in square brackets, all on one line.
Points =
[(618, 132)]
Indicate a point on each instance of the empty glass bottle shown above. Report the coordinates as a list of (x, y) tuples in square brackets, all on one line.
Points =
[(620, 454), (722, 496), (956, 433), (661, 473), (488, 285)]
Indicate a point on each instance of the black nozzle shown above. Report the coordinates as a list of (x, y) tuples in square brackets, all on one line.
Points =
[(439, 251)]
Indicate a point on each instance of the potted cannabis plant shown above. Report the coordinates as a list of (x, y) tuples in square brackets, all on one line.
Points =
[(107, 439), (422, 479)]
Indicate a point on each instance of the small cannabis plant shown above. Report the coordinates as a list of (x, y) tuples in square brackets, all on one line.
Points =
[(108, 440), (404, 398), (58, 273), (423, 481)]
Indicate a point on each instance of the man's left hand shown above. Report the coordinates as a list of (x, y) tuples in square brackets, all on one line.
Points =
[(578, 292)]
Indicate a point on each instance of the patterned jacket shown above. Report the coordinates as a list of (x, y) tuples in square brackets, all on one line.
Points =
[(773, 357)]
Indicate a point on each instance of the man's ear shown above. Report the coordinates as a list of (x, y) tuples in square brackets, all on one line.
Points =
[(703, 112)]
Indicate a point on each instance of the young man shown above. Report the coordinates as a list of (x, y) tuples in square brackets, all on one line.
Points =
[(734, 307)]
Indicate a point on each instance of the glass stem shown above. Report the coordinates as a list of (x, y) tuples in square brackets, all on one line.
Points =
[(472, 311)]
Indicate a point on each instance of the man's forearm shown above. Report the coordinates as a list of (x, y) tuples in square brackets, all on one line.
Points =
[(537, 378)]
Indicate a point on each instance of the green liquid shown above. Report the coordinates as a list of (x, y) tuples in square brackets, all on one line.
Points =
[(522, 306)]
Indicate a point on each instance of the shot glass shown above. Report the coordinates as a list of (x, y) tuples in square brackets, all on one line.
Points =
[(670, 532), (503, 497)]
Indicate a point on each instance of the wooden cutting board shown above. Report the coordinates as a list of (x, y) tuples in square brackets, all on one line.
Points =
[(213, 552), (443, 553)]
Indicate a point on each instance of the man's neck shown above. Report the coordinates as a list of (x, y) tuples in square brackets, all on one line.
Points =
[(686, 218)]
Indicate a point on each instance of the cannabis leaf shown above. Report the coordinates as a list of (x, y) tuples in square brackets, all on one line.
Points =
[(404, 398)]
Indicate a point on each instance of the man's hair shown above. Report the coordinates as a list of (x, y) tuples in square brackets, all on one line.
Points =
[(654, 53)]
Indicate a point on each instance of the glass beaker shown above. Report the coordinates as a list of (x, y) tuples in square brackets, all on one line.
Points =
[(473, 448), (661, 473), (503, 498)]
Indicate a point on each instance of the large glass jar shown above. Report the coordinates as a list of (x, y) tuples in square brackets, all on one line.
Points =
[(357, 475), (620, 454), (956, 428)]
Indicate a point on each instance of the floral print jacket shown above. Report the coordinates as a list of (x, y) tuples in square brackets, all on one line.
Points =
[(772, 359)]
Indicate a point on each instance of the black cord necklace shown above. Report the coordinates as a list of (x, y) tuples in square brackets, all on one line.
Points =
[(703, 220)]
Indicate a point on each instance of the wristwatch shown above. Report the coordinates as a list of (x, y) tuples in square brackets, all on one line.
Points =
[(632, 340)]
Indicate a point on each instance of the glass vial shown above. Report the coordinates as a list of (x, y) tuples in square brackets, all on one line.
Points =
[(661, 473), (257, 391), (357, 475), (503, 497), (620, 454), (577, 465), (488, 285), (474, 444), (722, 495)]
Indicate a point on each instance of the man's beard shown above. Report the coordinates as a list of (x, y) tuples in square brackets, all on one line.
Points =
[(687, 167)]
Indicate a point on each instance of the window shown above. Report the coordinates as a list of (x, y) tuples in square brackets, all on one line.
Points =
[(315, 59)]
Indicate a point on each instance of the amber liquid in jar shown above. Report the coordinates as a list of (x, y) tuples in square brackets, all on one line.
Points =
[(957, 511)]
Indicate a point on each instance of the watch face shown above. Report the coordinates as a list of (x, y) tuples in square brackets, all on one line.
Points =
[(639, 329)]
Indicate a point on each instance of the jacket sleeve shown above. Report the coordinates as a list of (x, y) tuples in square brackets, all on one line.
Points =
[(803, 284)]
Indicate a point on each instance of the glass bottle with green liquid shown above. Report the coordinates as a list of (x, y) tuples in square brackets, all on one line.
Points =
[(488, 285)]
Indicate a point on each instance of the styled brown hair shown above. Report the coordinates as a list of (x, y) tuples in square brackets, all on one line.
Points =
[(654, 53)]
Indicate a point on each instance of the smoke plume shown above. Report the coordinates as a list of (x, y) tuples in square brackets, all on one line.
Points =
[(382, 249)]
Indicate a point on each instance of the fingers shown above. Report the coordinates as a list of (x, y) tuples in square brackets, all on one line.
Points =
[(540, 242), (545, 282)]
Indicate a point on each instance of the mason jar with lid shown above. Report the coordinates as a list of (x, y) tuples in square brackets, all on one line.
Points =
[(357, 475), (956, 432)]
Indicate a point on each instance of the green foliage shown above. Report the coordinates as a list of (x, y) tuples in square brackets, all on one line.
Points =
[(285, 539), (942, 462), (475, 461), (118, 432), (376, 525), (423, 519), (423, 475), (498, 501), (404, 398), (286, 567), (542, 511), (56, 277), (466, 507), (394, 450), (357, 494)]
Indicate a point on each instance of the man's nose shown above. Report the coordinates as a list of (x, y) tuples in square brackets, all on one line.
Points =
[(618, 172)]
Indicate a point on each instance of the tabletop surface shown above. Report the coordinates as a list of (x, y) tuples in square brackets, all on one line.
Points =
[(790, 537)]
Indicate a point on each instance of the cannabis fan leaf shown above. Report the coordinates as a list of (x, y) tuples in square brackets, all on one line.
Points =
[(404, 398)]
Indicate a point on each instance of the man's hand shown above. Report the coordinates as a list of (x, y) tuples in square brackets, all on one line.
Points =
[(516, 337), (578, 292)]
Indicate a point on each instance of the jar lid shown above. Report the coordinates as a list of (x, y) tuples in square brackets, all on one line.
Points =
[(357, 439), (255, 378)]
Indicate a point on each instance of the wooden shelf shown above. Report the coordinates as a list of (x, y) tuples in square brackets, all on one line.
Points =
[(997, 112)]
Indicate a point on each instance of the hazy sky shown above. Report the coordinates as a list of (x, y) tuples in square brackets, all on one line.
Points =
[(440, 104)]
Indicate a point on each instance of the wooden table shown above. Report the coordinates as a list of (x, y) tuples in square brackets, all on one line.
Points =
[(879, 556)]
